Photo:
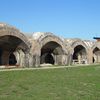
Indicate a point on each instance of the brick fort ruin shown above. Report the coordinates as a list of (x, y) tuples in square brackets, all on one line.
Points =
[(16, 49)]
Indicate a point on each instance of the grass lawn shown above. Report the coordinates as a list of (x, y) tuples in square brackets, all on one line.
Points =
[(75, 83)]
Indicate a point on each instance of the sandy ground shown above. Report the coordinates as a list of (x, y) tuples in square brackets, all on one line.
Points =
[(40, 68)]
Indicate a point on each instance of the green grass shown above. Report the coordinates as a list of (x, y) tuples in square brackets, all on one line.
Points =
[(79, 83)]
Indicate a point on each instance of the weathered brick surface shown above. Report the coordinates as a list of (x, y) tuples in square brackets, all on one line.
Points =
[(44, 48)]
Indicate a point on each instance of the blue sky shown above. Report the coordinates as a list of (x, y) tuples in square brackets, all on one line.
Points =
[(65, 18)]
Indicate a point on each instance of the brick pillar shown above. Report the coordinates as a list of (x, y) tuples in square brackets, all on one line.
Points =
[(37, 60), (90, 57)]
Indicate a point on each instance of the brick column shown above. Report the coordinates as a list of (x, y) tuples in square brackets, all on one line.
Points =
[(90, 57)]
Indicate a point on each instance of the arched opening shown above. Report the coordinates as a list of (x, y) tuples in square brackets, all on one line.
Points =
[(49, 59), (8, 45), (79, 55), (12, 59), (96, 55), (51, 53)]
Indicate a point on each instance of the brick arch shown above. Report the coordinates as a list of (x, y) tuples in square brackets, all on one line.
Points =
[(96, 53), (7, 30), (52, 38), (45, 41), (96, 45), (80, 52), (54, 47), (77, 43)]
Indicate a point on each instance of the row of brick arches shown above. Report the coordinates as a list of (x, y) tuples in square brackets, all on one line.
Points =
[(44, 48)]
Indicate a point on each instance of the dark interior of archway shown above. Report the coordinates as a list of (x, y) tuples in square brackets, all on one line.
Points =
[(49, 59), (96, 49), (48, 50), (8, 44), (12, 59), (78, 49)]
